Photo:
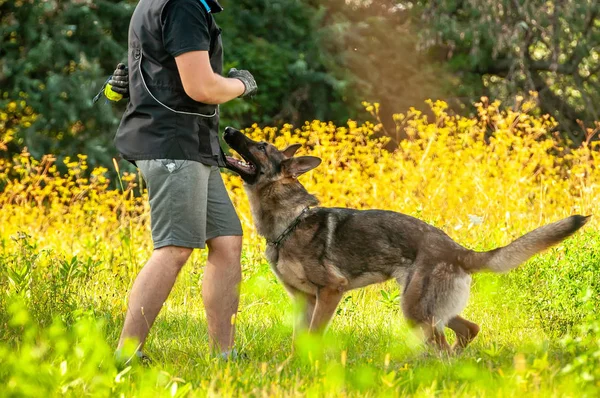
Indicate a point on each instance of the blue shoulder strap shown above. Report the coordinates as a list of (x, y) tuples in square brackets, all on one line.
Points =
[(206, 7)]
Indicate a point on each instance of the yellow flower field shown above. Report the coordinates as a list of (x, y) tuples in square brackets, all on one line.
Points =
[(483, 180)]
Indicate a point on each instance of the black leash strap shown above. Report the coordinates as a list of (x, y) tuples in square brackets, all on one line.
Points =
[(97, 97), (288, 230)]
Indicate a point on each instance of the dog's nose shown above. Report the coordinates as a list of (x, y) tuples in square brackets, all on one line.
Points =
[(229, 130)]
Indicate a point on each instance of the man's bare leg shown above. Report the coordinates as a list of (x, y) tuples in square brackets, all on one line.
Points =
[(220, 289), (150, 290)]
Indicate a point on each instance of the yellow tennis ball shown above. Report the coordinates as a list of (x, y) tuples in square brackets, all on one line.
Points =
[(111, 95)]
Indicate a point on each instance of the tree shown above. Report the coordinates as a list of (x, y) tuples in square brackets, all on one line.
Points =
[(278, 41), (316, 59), (509, 47), (375, 48), (54, 55), (313, 59)]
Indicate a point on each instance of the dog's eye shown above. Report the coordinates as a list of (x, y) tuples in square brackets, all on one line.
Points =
[(263, 147)]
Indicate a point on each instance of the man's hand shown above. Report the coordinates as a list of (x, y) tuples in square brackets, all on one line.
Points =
[(116, 86), (119, 81), (246, 78)]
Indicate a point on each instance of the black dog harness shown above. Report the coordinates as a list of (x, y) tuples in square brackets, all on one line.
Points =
[(284, 235)]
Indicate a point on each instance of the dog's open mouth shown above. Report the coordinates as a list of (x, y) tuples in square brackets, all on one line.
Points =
[(238, 165), (244, 164)]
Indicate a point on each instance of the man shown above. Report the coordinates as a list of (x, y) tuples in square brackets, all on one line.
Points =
[(169, 130)]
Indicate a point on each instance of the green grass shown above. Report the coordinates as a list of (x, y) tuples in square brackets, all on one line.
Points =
[(59, 322)]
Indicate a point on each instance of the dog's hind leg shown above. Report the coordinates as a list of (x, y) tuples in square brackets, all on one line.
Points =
[(415, 307), (327, 301), (465, 332), (433, 295), (434, 336)]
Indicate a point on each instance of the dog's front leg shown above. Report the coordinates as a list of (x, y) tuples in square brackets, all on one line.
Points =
[(306, 301), (327, 301)]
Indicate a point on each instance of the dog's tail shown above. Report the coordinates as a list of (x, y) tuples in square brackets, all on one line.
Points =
[(511, 256)]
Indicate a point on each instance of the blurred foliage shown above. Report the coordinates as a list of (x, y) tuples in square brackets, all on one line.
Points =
[(312, 59), (375, 48), (56, 360), (54, 55), (279, 42), (510, 47)]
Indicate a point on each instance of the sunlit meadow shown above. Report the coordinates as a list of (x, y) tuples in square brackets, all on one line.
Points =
[(72, 243)]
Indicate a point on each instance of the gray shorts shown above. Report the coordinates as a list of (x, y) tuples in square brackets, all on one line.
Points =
[(188, 203)]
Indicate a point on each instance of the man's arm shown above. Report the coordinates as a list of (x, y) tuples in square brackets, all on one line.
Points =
[(202, 84)]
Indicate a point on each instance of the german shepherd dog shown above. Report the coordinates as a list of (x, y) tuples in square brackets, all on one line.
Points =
[(319, 253)]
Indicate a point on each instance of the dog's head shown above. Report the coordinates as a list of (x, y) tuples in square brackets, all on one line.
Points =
[(263, 162)]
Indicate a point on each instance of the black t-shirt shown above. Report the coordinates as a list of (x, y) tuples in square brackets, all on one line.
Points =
[(185, 27)]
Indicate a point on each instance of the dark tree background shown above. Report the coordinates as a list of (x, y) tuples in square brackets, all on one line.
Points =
[(506, 47), (312, 59), (55, 55)]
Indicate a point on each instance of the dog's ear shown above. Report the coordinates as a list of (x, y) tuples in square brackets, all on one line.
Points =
[(291, 150), (295, 167)]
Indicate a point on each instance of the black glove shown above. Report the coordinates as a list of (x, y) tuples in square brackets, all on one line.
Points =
[(119, 81), (246, 78), (116, 86)]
